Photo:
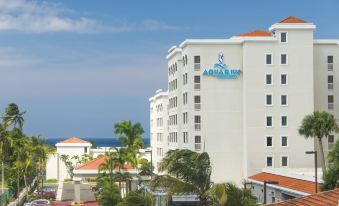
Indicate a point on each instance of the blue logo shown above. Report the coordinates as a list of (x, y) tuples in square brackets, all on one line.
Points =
[(220, 70)]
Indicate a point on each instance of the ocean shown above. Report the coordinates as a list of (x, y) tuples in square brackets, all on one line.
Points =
[(100, 142)]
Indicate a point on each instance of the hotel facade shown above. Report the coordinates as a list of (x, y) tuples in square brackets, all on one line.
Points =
[(242, 99)]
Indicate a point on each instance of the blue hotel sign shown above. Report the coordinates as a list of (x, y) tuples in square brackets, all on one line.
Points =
[(221, 70)]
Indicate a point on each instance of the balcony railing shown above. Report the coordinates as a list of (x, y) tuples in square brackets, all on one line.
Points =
[(197, 126), (197, 146), (197, 66), (330, 106), (197, 86), (330, 66), (197, 106), (330, 85)]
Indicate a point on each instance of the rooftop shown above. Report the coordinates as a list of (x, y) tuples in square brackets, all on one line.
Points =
[(95, 164), (74, 140), (256, 33), (293, 20), (301, 185), (328, 198)]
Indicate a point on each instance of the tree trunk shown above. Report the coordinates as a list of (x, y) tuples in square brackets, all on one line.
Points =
[(2, 176), (322, 155)]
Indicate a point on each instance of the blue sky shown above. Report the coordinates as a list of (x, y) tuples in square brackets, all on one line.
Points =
[(79, 66)]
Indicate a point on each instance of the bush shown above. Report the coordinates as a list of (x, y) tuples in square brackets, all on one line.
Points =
[(51, 181)]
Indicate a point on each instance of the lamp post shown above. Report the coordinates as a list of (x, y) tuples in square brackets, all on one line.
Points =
[(268, 182), (315, 168)]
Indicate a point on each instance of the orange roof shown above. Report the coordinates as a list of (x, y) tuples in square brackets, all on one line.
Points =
[(287, 182), (292, 19), (74, 140), (95, 164), (328, 198), (256, 33)]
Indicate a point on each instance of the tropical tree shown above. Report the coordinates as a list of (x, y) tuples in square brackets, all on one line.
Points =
[(5, 144), (237, 196), (331, 177), (68, 163), (111, 194), (11, 116), (138, 198), (319, 125), (130, 135), (217, 195), (187, 172), (146, 168)]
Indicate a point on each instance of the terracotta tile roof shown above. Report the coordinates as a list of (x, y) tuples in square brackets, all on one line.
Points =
[(287, 182), (328, 198), (95, 164), (256, 33), (74, 140), (292, 19)]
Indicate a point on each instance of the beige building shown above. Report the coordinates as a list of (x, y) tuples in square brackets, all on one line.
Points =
[(242, 99)]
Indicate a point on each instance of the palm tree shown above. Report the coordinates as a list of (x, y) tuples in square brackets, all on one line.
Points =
[(109, 195), (11, 116), (5, 143), (187, 172), (238, 196), (217, 194), (130, 135), (138, 198), (319, 125)]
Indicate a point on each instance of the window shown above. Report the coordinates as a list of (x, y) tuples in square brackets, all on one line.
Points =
[(283, 59), (197, 143), (269, 79), (269, 100), (197, 123), (268, 59), (186, 59), (284, 121), (197, 105), (184, 98), (183, 60), (330, 100), (284, 141), (197, 62), (330, 63), (185, 137), (330, 81), (197, 82), (284, 161), (283, 79), (85, 149), (185, 117), (269, 161), (330, 141), (283, 100), (184, 79), (269, 121), (283, 37), (269, 141)]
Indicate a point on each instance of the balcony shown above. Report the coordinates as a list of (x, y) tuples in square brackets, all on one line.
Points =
[(330, 66), (197, 106), (197, 146), (197, 86), (330, 106), (197, 66), (197, 126)]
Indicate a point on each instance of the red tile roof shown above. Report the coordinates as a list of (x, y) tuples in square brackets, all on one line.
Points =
[(74, 140), (95, 164), (328, 198), (256, 33), (287, 182), (292, 19)]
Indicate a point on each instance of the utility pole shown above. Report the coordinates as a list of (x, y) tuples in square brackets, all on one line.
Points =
[(265, 184), (315, 168)]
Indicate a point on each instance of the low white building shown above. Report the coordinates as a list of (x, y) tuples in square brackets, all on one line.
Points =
[(76, 147), (55, 168), (242, 99)]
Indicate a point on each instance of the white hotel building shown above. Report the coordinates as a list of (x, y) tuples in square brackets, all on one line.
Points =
[(247, 120)]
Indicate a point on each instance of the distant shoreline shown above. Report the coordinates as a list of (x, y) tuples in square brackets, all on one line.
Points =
[(100, 142)]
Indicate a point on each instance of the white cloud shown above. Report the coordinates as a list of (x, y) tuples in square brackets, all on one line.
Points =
[(34, 17)]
